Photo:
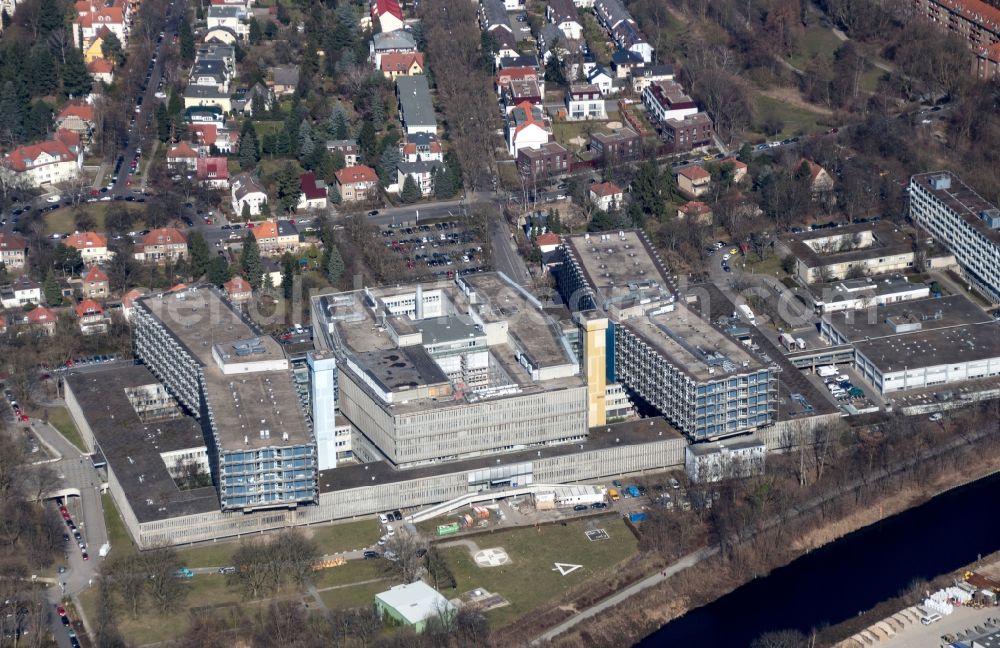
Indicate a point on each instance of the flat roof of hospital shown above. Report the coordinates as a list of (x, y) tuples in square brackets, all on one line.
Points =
[(246, 403), (692, 343), (133, 447), (612, 261)]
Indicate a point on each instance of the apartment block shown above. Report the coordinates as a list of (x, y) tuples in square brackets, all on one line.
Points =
[(237, 383), (964, 222), (549, 159)]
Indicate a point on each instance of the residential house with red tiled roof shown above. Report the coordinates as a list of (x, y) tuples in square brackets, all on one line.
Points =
[(606, 195), (401, 64), (44, 164), (695, 211), (238, 289), (525, 128), (547, 242), (519, 73), (90, 316), (93, 16), (182, 156), (93, 247), (102, 71), (276, 237), (41, 319), (76, 116), (128, 302), (13, 251), (694, 181), (357, 183), (421, 147), (95, 284), (820, 181), (739, 168), (388, 14), (212, 172), (162, 245)]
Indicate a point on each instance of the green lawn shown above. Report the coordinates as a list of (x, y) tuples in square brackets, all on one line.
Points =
[(796, 120), (816, 41), (870, 79), (347, 536), (61, 221), (121, 541), (61, 420), (353, 571), (530, 581), (331, 538), (769, 265), (211, 590), (155, 626), (563, 132), (362, 595)]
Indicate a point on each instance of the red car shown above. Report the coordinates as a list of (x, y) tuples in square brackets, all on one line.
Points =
[(249, 225), (60, 610), (24, 418)]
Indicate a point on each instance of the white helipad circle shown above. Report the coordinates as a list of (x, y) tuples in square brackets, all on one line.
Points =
[(614, 125), (491, 557)]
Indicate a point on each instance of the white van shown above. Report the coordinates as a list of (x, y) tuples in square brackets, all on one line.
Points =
[(928, 619)]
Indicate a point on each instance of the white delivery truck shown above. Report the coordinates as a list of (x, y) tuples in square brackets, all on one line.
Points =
[(104, 550), (747, 314), (827, 371)]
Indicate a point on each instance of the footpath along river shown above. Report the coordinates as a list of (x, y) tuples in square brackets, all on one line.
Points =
[(849, 575)]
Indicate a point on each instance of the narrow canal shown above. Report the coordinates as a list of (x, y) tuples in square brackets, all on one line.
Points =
[(853, 574)]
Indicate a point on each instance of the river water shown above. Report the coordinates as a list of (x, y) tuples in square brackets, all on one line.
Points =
[(836, 582)]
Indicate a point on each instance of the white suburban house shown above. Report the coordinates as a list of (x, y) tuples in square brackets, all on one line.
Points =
[(525, 128), (585, 101), (46, 163), (563, 14), (247, 191)]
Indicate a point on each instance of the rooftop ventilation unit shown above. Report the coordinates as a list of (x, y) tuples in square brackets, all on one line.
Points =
[(940, 182), (991, 217)]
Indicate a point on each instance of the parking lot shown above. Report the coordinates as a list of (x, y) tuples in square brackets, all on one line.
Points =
[(846, 388), (439, 250)]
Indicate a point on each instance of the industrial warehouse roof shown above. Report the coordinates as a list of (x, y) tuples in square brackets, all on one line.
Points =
[(924, 314), (920, 333), (260, 398)]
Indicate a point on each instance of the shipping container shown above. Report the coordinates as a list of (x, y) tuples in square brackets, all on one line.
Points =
[(447, 529), (638, 517)]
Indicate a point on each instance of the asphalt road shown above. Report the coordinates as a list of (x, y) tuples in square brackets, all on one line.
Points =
[(74, 470), (145, 111)]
